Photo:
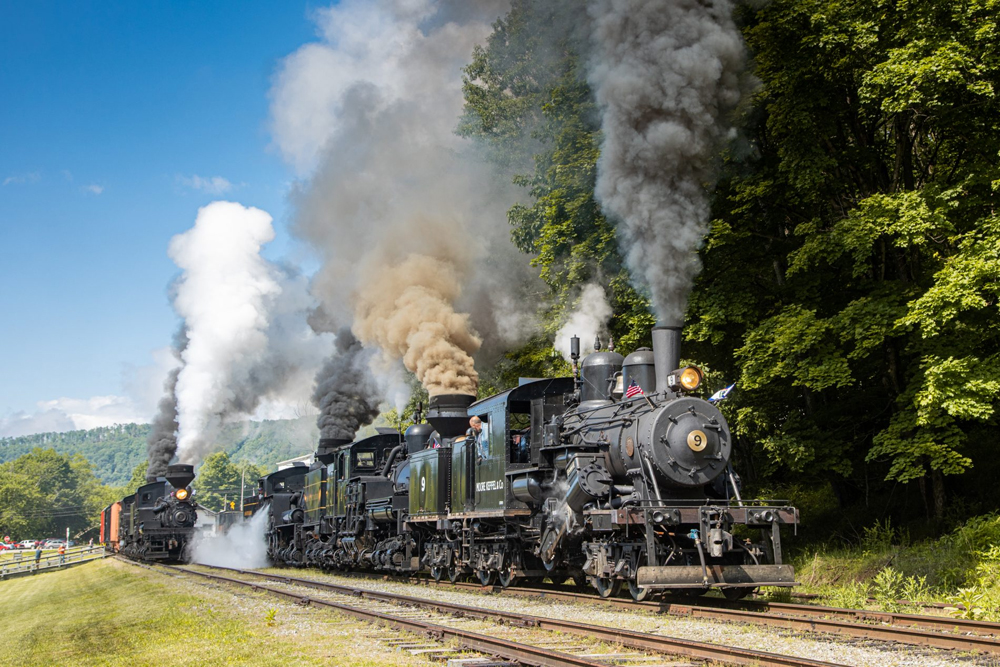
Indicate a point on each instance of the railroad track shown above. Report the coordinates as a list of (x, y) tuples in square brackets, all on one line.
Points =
[(439, 619), (914, 629)]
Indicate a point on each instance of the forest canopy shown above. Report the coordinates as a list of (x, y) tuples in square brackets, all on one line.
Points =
[(851, 276)]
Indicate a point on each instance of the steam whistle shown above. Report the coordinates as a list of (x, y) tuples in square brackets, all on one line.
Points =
[(597, 343), (574, 354), (418, 414), (611, 343)]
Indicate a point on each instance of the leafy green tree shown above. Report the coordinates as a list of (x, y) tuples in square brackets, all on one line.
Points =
[(850, 278), (138, 479), (218, 481), (43, 493), (527, 99)]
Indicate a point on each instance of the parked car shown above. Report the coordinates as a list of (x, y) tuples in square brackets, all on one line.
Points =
[(26, 544), (53, 544), (5, 547)]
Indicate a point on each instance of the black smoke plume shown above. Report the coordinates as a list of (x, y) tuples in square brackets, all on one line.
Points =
[(161, 445), (346, 392)]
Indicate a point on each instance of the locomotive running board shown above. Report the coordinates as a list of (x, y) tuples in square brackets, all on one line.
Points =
[(719, 576)]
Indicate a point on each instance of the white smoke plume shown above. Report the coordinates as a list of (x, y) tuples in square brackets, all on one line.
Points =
[(242, 547), (667, 75), (369, 113), (246, 325), (588, 320)]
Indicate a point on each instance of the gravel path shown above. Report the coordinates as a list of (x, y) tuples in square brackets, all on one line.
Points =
[(847, 651)]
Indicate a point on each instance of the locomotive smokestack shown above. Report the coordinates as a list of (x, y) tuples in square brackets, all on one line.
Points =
[(448, 413), (179, 475), (666, 351)]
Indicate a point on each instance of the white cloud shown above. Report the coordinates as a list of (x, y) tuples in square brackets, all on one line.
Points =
[(70, 414), (21, 179), (94, 189), (214, 185), (143, 387)]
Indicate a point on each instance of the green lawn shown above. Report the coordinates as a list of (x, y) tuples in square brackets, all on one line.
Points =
[(112, 613)]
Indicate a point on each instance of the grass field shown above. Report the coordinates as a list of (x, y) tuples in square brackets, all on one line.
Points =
[(111, 613)]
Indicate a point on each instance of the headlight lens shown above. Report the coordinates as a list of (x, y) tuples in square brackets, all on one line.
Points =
[(182, 494), (690, 378)]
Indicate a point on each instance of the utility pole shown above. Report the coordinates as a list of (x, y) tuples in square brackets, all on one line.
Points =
[(243, 477)]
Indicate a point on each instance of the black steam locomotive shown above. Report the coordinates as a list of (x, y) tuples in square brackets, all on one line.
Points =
[(616, 476), (156, 523)]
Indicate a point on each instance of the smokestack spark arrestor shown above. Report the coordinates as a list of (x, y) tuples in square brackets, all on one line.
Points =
[(449, 413), (179, 475)]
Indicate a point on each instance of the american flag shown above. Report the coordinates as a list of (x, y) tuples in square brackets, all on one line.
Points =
[(633, 390)]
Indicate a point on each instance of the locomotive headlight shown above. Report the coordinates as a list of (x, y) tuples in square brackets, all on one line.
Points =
[(690, 378), (182, 494)]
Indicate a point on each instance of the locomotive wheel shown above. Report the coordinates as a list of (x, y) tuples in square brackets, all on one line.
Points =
[(608, 587), (486, 577), (734, 594), (454, 572), (506, 575), (437, 573), (638, 593)]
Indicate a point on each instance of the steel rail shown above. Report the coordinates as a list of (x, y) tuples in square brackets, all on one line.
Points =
[(508, 650), (916, 629), (631, 639)]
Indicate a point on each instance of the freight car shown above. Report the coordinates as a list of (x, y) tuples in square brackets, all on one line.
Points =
[(619, 475), (156, 523)]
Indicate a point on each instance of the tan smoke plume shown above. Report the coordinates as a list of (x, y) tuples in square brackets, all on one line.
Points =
[(405, 308)]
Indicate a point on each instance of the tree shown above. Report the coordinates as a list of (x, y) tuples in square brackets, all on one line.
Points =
[(852, 272), (43, 493), (218, 481), (528, 100), (850, 276)]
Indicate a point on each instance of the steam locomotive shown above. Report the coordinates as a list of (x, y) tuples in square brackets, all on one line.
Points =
[(156, 523), (616, 476)]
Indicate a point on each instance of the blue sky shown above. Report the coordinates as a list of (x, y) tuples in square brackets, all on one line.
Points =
[(110, 110)]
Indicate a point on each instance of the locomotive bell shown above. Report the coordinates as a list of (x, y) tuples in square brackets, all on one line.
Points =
[(690, 442)]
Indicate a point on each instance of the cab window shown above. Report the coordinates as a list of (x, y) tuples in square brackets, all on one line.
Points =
[(366, 460)]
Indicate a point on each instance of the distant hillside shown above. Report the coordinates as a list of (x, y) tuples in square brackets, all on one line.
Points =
[(116, 450)]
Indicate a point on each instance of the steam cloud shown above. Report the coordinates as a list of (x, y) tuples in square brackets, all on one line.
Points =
[(243, 546), (666, 74), (402, 211), (245, 321), (346, 393), (588, 320)]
